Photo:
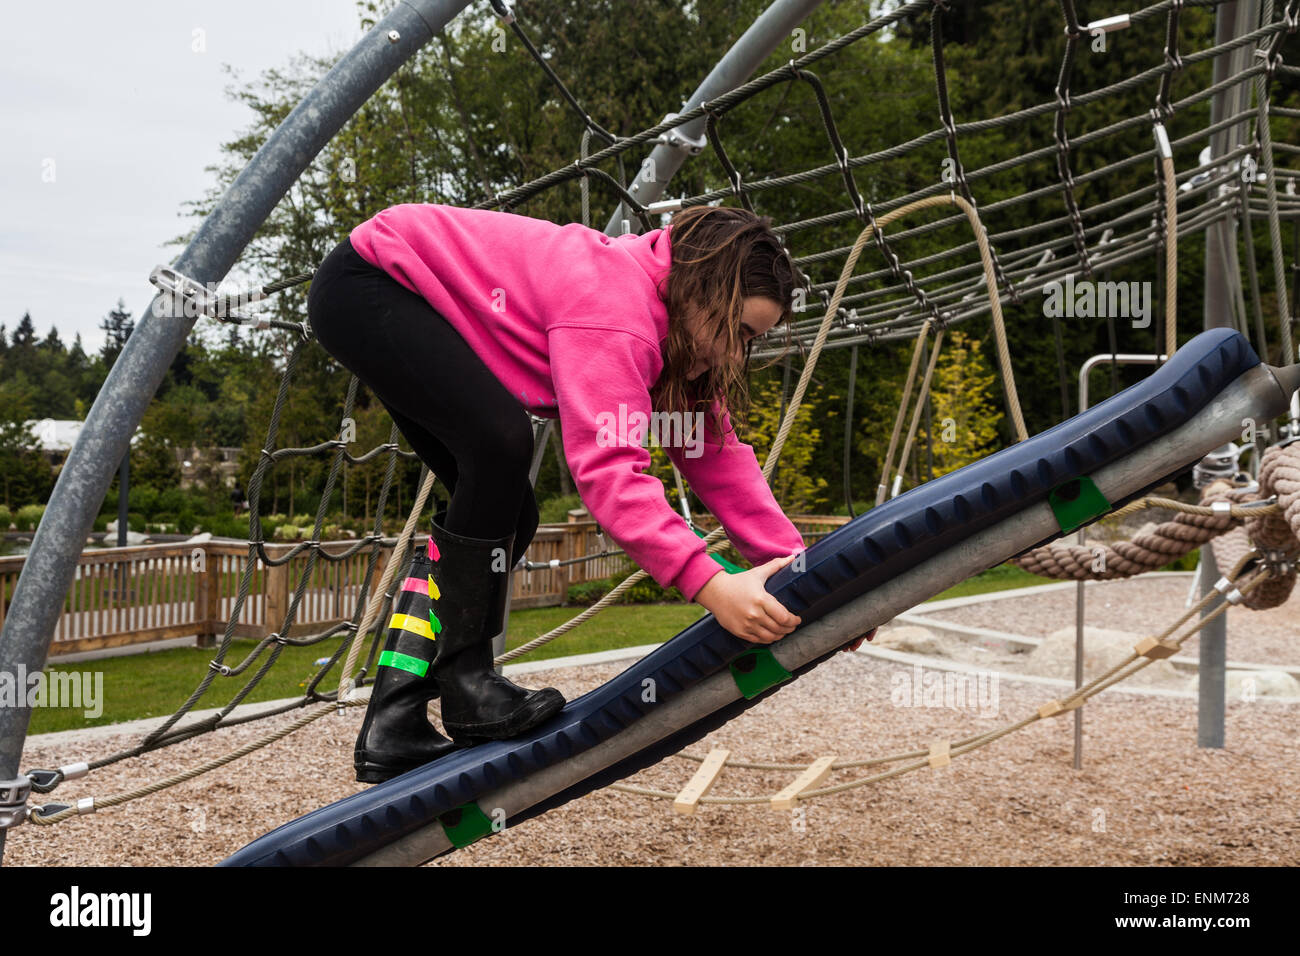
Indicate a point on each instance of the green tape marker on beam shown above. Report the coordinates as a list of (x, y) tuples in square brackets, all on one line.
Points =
[(1077, 502), (731, 568), (757, 670), (404, 662), (465, 824)]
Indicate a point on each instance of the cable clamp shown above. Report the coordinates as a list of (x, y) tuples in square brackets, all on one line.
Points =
[(222, 669), (13, 801), (1221, 507), (206, 299), (503, 11), (679, 140)]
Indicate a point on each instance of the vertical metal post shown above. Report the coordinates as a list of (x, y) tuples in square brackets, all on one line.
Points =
[(1080, 601), (541, 439), (1232, 19), (1213, 657), (123, 497)]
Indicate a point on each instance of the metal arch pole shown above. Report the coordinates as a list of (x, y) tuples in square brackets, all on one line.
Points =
[(764, 35), (139, 369)]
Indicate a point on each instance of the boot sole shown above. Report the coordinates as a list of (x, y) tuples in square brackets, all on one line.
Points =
[(371, 771), (536, 712)]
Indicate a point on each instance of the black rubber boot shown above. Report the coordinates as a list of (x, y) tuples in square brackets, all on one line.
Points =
[(478, 704), (396, 735)]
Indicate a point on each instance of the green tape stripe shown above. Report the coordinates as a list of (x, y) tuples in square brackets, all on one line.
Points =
[(1076, 503), (465, 824), (757, 670), (404, 662)]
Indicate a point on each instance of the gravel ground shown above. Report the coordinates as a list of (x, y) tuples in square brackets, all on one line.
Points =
[(1145, 796), (1141, 606)]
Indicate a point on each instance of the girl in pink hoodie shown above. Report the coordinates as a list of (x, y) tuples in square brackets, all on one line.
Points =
[(464, 321)]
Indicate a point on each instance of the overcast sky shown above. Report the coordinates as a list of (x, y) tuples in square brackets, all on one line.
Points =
[(111, 101)]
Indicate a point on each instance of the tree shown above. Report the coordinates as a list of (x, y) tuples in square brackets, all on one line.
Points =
[(964, 417), (117, 326), (25, 334), (797, 487)]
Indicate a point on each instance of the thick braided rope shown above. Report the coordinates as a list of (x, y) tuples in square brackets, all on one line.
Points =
[(1272, 527)]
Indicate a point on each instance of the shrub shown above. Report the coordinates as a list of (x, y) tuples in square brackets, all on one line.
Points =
[(556, 510), (303, 521), (28, 517), (135, 521), (286, 532), (645, 591), (171, 500), (143, 498), (5, 518)]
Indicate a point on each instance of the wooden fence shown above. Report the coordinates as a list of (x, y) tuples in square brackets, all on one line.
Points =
[(135, 595)]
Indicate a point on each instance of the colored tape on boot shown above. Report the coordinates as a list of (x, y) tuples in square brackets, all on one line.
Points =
[(1077, 502), (465, 824), (404, 662), (757, 670), (416, 625), (418, 585)]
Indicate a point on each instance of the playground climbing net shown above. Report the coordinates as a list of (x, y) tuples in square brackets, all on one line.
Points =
[(893, 302)]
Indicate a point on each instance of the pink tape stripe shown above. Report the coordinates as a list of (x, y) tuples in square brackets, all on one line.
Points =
[(416, 584)]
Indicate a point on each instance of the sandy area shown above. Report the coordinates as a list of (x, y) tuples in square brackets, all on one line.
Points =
[(1146, 793)]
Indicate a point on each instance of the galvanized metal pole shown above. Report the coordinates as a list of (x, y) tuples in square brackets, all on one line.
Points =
[(1232, 19), (153, 344), (772, 27)]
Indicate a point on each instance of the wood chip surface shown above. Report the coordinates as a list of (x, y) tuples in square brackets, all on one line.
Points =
[(1146, 795)]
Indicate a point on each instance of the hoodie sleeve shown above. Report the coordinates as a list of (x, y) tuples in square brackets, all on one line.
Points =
[(600, 377), (731, 484)]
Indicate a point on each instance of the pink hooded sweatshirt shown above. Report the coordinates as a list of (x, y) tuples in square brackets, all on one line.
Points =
[(570, 321)]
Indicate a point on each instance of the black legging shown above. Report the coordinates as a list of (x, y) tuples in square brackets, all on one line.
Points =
[(458, 417)]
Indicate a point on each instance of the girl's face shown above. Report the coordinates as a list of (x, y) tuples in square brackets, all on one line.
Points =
[(759, 315)]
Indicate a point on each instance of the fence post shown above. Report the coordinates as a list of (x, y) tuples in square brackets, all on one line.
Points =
[(277, 594), (207, 600)]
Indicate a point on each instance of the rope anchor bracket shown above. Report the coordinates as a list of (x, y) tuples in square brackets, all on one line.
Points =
[(678, 139), (13, 801)]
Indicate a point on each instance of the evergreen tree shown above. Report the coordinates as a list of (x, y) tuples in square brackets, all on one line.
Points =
[(117, 326), (25, 334)]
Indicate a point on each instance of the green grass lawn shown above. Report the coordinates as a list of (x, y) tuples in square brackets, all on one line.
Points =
[(155, 684)]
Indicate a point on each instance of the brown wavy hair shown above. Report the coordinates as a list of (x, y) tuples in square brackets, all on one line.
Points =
[(720, 256)]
